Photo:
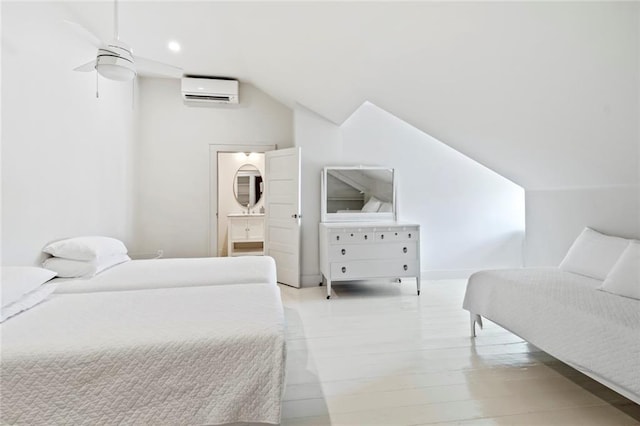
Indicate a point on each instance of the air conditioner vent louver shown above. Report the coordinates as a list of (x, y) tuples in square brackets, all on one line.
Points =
[(211, 90), (212, 98)]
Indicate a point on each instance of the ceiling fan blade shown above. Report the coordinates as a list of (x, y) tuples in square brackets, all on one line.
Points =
[(150, 67), (84, 33), (89, 66)]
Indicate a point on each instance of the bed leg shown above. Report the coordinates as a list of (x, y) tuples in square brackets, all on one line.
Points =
[(473, 319)]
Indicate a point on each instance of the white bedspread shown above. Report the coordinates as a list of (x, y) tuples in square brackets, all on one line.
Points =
[(185, 356), (563, 314), (165, 273)]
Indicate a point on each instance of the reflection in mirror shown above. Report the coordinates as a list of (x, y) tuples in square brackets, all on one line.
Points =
[(359, 190), (248, 185)]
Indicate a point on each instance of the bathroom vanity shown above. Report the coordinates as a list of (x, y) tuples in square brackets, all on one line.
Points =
[(245, 234)]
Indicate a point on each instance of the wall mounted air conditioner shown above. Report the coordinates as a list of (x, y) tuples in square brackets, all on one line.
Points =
[(212, 90)]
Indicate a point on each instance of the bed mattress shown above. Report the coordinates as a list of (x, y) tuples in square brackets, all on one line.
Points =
[(565, 315), (197, 355), (166, 273)]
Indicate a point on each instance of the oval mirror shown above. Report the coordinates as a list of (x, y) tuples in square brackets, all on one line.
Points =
[(247, 185)]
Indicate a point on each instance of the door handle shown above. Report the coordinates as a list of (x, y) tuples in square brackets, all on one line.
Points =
[(296, 216)]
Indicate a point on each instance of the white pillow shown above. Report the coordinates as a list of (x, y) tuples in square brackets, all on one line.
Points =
[(593, 254), (85, 248), (20, 280), (624, 278), (27, 301), (372, 205), (68, 268), (385, 208)]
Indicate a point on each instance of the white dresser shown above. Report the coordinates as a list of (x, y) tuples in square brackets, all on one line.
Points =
[(364, 250), (245, 235)]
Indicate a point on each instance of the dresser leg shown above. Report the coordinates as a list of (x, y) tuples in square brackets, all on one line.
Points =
[(418, 284), (328, 289)]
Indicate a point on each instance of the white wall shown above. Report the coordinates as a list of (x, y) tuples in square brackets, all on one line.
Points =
[(595, 162), (66, 156), (556, 217), (320, 142), (172, 164), (471, 217)]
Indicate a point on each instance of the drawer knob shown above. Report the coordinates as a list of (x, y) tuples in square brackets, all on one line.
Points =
[(344, 269), (352, 235), (366, 237), (338, 237), (343, 251), (409, 235), (405, 267), (382, 237), (404, 249), (396, 234)]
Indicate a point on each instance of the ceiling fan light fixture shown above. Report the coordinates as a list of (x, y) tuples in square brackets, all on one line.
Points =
[(115, 60), (115, 68)]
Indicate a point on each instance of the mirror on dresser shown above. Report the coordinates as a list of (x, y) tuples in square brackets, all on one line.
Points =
[(358, 194), (248, 186)]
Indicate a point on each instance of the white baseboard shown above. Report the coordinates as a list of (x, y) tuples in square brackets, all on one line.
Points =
[(310, 280)]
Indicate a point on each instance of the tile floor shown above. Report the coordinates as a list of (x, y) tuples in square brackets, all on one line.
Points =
[(377, 354)]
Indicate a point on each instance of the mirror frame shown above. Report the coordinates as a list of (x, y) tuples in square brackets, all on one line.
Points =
[(235, 185), (356, 217)]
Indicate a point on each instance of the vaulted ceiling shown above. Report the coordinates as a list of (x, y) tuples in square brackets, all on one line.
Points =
[(528, 89)]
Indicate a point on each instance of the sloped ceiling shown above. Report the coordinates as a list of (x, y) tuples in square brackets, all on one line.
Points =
[(532, 90)]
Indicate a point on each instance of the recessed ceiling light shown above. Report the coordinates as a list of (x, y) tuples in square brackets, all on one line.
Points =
[(174, 46)]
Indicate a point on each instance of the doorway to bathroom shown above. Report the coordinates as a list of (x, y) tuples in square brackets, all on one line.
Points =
[(237, 174), (240, 203), (271, 182)]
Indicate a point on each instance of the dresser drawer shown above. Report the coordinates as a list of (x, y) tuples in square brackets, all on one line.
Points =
[(373, 269), (346, 252), (351, 237), (396, 235)]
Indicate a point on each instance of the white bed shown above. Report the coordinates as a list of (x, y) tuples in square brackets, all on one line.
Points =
[(166, 273), (565, 315), (194, 355)]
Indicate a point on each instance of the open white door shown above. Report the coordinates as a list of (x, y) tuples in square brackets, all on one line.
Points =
[(282, 215)]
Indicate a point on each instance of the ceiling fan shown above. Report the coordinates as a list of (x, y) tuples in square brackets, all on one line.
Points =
[(115, 59)]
